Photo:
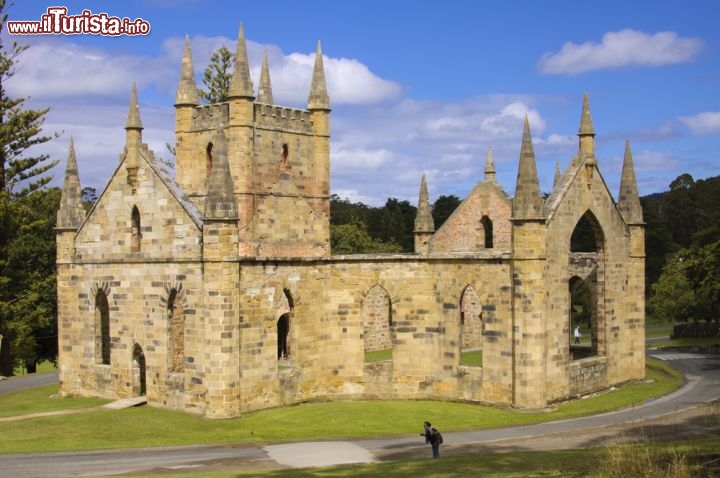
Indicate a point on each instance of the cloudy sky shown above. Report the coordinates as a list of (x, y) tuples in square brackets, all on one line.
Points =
[(415, 86)]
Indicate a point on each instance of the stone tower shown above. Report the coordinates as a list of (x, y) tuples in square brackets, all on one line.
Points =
[(278, 158), (528, 249)]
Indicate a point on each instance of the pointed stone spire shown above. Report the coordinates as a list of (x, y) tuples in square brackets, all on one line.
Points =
[(423, 220), (527, 203), (187, 93), (133, 117), (220, 202), (241, 83), (628, 199), (587, 131), (558, 175), (265, 89), (318, 98), (71, 213), (490, 167)]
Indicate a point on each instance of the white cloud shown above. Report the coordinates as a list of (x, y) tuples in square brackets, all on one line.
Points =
[(649, 161), (624, 48), (703, 123), (85, 71)]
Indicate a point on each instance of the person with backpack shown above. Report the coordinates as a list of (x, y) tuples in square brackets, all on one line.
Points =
[(433, 437)]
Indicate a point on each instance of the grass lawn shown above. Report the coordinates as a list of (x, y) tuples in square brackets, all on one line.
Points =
[(471, 358), (378, 355), (149, 426)]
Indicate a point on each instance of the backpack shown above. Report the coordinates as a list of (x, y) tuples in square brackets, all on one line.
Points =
[(438, 436)]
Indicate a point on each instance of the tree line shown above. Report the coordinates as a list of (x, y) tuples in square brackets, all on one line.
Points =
[(682, 233)]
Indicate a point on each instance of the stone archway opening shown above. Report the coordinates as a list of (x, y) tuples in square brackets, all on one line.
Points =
[(377, 325), (471, 328), (284, 338), (585, 289), (139, 371)]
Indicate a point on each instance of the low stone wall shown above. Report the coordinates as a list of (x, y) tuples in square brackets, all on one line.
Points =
[(587, 375)]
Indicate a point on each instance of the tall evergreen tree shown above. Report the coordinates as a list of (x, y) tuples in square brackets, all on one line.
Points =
[(443, 207), (22, 176), (217, 76)]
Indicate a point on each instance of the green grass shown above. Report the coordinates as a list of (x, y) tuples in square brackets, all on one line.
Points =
[(149, 426), (378, 355), (42, 367), (658, 329), (41, 400), (471, 358)]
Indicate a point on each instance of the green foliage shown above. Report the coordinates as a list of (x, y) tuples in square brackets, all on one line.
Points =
[(89, 196), (580, 300), (354, 239), (686, 222), (27, 215), (28, 308), (394, 222), (442, 208), (217, 76), (19, 130), (356, 228), (659, 244)]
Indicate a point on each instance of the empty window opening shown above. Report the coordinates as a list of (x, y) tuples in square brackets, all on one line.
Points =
[(284, 156), (488, 230), (139, 371), (102, 329), (284, 342), (283, 327), (208, 159), (135, 230), (377, 325), (176, 328), (586, 235), (471, 328), (582, 320)]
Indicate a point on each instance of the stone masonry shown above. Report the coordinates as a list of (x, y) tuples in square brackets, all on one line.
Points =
[(215, 292)]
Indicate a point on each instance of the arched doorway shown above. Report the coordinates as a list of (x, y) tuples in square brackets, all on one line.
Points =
[(139, 371)]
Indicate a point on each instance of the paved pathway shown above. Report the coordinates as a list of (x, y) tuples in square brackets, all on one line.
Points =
[(681, 410)]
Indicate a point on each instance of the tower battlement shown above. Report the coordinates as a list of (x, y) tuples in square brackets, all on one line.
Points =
[(282, 117)]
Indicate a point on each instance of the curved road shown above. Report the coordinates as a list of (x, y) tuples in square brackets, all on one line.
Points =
[(702, 387)]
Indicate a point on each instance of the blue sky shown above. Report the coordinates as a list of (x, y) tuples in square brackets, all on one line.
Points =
[(415, 86)]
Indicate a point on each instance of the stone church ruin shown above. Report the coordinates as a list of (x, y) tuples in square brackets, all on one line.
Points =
[(215, 292)]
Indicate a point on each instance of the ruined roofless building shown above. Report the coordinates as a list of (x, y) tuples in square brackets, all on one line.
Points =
[(216, 293)]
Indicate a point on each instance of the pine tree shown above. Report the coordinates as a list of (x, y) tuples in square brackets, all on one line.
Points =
[(217, 76), (22, 177)]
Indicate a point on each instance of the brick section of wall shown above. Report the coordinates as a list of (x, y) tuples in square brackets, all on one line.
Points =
[(463, 231)]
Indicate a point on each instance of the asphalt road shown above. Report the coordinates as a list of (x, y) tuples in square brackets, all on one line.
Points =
[(702, 387)]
